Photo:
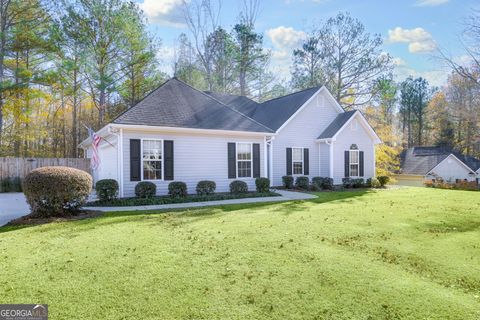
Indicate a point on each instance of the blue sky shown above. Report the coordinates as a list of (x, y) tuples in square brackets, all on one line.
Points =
[(412, 29)]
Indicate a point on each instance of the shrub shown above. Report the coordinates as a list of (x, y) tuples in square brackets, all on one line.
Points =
[(16, 184), (374, 183), (302, 183), (347, 182), (106, 189), (206, 187), (383, 180), (287, 182), (5, 185), (56, 191), (145, 189), (238, 186), (358, 183), (327, 183), (11, 185), (262, 184), (177, 189), (317, 183)]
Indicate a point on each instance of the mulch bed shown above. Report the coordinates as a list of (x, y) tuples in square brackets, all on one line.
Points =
[(29, 220)]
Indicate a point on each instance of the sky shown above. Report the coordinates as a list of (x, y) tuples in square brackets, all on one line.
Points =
[(412, 30)]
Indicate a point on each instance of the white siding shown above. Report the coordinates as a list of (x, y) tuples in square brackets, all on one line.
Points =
[(302, 131), (196, 157), (344, 140), (107, 153), (451, 169), (324, 160)]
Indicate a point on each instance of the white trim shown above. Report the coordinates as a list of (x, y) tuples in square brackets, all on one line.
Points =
[(178, 130), (251, 159), (374, 163), (451, 155), (350, 151), (330, 144), (271, 161), (265, 163), (323, 88), (161, 161), (373, 134), (303, 161)]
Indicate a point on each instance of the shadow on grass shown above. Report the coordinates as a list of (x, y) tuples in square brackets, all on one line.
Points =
[(202, 213)]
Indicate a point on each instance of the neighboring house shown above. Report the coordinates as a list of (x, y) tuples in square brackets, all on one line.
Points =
[(180, 133), (426, 163)]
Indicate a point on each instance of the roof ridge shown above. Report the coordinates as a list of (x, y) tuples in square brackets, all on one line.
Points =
[(317, 87), (229, 107)]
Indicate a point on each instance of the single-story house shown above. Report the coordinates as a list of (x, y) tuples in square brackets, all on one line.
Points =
[(426, 163), (180, 133)]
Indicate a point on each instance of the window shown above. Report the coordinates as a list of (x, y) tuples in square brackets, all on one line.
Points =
[(354, 163), (297, 160), (244, 160), (152, 159)]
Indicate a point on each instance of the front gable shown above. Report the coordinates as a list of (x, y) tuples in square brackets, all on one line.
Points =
[(450, 169)]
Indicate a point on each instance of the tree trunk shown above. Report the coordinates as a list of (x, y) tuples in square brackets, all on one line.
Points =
[(74, 111)]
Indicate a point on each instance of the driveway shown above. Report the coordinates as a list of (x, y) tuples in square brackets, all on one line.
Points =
[(12, 206)]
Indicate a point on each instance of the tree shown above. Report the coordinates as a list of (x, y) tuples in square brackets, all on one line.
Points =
[(308, 64), (351, 60), (440, 127), (222, 49)]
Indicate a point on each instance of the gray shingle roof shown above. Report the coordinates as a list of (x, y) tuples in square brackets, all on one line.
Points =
[(176, 104), (272, 113), (420, 160), (336, 124)]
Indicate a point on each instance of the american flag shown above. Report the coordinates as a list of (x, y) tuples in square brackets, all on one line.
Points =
[(95, 162)]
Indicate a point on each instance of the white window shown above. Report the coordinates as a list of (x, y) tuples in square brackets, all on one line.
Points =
[(244, 160), (297, 161), (152, 152), (354, 163)]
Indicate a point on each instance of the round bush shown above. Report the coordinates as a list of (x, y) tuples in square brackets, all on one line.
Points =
[(106, 189), (262, 185), (206, 187), (374, 183), (383, 180), (302, 183), (287, 182), (358, 182), (56, 191), (177, 189), (238, 187), (145, 189)]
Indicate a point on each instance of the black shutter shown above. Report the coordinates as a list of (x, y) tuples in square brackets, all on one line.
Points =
[(256, 160), (232, 154), (135, 160), (168, 156), (347, 164), (306, 162), (289, 161), (360, 154)]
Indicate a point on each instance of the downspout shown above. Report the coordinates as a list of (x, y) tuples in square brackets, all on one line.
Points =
[(330, 144)]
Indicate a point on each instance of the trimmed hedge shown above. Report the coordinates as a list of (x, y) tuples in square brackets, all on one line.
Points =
[(56, 191), (238, 187), (262, 184), (206, 187), (373, 183), (325, 183), (287, 182), (302, 183), (353, 183), (106, 189), (177, 189), (145, 189)]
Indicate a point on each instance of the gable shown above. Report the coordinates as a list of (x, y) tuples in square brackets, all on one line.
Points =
[(450, 165), (310, 120)]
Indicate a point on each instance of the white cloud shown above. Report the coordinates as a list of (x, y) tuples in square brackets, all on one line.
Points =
[(284, 40), (164, 12), (430, 3), (418, 39), (166, 57), (399, 62), (436, 77)]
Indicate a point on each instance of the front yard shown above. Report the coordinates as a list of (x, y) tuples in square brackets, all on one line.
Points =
[(405, 253)]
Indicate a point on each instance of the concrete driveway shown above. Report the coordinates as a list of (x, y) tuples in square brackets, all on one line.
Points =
[(12, 206)]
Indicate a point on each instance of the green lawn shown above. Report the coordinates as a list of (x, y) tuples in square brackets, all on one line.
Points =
[(409, 253)]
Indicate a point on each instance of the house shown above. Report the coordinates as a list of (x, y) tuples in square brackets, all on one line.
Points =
[(180, 133), (426, 163)]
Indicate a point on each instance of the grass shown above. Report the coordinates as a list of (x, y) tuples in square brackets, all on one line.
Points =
[(411, 253), (125, 202)]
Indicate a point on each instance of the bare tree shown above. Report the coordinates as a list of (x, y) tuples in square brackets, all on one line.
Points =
[(202, 18)]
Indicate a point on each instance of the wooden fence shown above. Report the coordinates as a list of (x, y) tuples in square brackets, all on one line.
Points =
[(19, 167)]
